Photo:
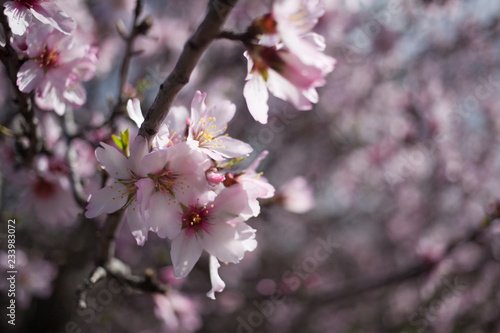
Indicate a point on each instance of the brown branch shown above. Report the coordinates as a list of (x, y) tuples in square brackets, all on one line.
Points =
[(12, 63), (207, 31)]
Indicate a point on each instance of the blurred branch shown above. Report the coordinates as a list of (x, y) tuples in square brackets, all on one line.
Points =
[(108, 266), (138, 28), (12, 63), (207, 31), (358, 287)]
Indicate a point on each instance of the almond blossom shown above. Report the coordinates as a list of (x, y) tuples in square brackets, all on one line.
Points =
[(173, 175), (208, 126), (21, 13), (208, 225), (122, 191), (289, 59), (56, 67)]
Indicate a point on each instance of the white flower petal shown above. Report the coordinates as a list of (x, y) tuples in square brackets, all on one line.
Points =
[(256, 96), (185, 253), (217, 283), (107, 200), (137, 224), (165, 215), (49, 12), (29, 76), (19, 16), (134, 111), (229, 148), (111, 160)]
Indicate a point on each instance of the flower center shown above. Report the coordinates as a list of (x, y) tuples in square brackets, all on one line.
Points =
[(44, 189), (195, 219), (167, 181), (49, 58), (207, 131), (30, 3)]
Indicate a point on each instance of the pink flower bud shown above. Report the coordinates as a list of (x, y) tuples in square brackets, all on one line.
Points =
[(214, 177)]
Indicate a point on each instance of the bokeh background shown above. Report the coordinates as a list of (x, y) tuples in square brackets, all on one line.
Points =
[(388, 188)]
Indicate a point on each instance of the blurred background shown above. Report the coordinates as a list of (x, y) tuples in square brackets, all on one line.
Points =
[(388, 190)]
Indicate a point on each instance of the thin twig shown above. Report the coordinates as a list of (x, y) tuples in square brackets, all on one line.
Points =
[(208, 30)]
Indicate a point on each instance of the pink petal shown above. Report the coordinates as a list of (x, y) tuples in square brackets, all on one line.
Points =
[(256, 96), (107, 200), (137, 224), (49, 13), (19, 17), (217, 283), (185, 253), (114, 162), (29, 76)]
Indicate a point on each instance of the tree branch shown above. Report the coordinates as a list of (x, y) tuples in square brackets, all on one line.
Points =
[(207, 31), (12, 63)]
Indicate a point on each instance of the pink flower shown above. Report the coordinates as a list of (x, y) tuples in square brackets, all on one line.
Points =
[(47, 195), (34, 278), (289, 60), (21, 12), (174, 174), (178, 312), (207, 225), (173, 129), (208, 125), (122, 192), (253, 184), (55, 70), (296, 195)]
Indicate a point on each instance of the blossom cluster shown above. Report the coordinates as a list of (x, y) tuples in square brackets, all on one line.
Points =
[(286, 57), (181, 189), (56, 62)]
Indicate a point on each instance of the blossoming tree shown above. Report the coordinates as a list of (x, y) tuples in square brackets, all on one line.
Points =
[(133, 135)]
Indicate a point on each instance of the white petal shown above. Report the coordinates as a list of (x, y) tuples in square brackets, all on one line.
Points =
[(107, 200), (137, 224), (227, 244), (165, 215), (138, 150), (217, 283), (49, 13), (114, 162), (75, 94), (29, 76), (185, 253), (223, 112), (19, 17), (229, 148), (198, 106), (134, 111), (286, 91), (256, 96)]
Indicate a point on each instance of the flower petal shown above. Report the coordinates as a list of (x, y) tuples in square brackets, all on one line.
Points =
[(49, 13), (217, 283), (29, 76), (107, 200), (111, 160), (137, 224), (134, 111), (185, 253), (256, 96), (19, 16), (228, 147)]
